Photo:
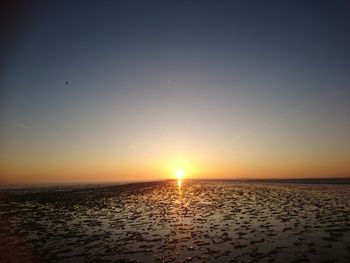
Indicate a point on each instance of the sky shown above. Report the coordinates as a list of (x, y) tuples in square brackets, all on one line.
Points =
[(132, 90)]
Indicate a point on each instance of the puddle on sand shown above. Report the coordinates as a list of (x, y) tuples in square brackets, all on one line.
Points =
[(165, 222)]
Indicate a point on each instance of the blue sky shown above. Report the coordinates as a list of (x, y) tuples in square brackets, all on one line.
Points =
[(224, 88)]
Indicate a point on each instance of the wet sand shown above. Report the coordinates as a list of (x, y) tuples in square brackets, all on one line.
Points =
[(202, 221)]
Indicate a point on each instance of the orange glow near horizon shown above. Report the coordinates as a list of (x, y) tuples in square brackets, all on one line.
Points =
[(169, 164), (165, 168)]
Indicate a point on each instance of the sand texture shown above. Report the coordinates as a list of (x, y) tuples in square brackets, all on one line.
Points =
[(160, 222)]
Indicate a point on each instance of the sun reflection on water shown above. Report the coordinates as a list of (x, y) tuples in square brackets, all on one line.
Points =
[(179, 175), (179, 184)]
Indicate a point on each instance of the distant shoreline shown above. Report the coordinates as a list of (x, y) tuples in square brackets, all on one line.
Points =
[(344, 180), (75, 186), (91, 185)]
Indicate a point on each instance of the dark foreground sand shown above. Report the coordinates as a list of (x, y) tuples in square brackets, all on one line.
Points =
[(158, 222)]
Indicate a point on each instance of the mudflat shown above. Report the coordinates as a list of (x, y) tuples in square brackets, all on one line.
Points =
[(201, 221)]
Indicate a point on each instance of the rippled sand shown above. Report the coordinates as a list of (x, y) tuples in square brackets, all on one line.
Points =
[(158, 222)]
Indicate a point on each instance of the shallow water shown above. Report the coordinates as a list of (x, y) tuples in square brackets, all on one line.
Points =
[(160, 222)]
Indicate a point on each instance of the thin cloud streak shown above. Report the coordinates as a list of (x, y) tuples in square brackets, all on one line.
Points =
[(20, 125)]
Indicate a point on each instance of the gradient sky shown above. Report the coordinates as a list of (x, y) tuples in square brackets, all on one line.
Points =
[(225, 89)]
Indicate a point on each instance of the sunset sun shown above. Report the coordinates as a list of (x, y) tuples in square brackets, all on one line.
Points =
[(180, 173)]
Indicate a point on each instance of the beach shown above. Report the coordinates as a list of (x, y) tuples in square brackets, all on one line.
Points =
[(199, 221)]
